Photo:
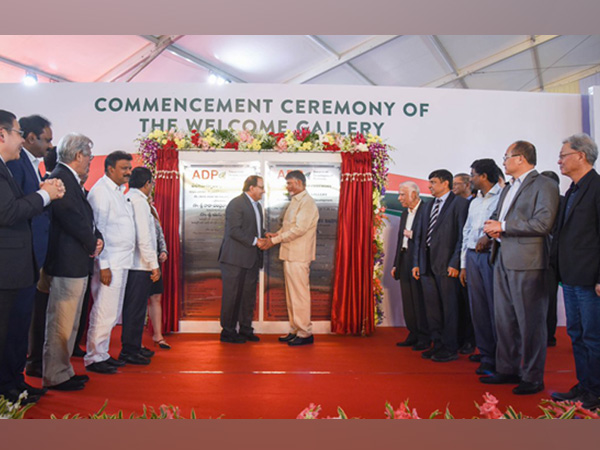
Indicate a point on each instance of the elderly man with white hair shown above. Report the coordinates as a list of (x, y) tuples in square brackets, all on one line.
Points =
[(74, 243), (412, 292)]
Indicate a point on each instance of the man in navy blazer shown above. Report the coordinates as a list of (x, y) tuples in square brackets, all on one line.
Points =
[(17, 261), (436, 262), (576, 254), (240, 259), (38, 139)]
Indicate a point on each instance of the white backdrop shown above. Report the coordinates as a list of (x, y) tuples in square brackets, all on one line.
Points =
[(430, 128)]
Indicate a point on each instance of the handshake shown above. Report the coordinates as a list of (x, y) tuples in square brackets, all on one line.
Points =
[(265, 243)]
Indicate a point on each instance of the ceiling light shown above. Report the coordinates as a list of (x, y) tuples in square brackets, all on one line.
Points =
[(217, 79), (30, 79)]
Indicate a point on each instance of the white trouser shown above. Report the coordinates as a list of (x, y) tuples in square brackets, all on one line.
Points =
[(108, 304)]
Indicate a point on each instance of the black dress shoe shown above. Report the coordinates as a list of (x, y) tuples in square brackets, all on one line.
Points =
[(588, 400), (136, 359), (573, 393), (12, 395), (33, 372), (101, 367), (286, 338), (408, 342), (429, 353), (467, 349), (81, 378), (78, 352), (420, 346), (114, 362), (250, 337), (485, 369), (475, 358), (233, 338), (526, 388), (69, 385), (444, 356), (32, 390), (146, 352), (501, 378), (302, 341)]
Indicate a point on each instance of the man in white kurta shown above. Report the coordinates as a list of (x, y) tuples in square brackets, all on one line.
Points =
[(298, 239), (114, 218)]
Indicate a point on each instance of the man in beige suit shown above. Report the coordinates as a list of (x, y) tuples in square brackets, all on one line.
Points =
[(298, 239)]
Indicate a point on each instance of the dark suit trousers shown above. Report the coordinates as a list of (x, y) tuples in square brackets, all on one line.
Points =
[(520, 308), (441, 296), (37, 332), (412, 302), (7, 300), (135, 304), (15, 350), (239, 298)]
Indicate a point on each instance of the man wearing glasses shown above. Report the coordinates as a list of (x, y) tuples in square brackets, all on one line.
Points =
[(74, 243), (17, 264), (520, 227), (576, 253)]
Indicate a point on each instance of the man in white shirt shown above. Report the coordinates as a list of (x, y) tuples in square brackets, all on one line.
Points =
[(144, 270), (474, 261), (114, 218), (412, 292)]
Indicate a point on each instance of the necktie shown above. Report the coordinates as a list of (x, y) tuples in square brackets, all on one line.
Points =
[(433, 219)]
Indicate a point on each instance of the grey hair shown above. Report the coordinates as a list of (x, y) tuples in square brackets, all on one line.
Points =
[(583, 143), (71, 144), (412, 186)]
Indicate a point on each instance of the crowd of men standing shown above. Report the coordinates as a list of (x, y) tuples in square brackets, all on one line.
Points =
[(508, 245), (54, 239)]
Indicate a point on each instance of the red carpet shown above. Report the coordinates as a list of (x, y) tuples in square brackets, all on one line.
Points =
[(271, 380)]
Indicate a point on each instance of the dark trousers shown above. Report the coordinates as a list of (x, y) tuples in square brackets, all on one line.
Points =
[(135, 304), (552, 318), (466, 333), (37, 332), (7, 300), (480, 282), (15, 350), (440, 293), (238, 299), (412, 302)]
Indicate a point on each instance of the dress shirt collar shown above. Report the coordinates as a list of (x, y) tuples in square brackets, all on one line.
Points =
[(135, 191), (414, 210), (73, 171), (114, 186), (254, 202), (299, 196), (522, 177), (443, 198), (494, 190)]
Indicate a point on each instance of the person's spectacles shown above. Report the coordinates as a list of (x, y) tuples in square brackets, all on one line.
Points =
[(562, 156), (18, 131), (508, 157), (87, 156)]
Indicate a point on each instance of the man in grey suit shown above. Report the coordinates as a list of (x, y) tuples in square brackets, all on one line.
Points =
[(240, 259), (520, 227)]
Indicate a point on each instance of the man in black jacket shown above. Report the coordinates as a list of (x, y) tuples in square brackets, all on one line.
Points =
[(74, 242), (17, 263), (576, 253), (240, 259), (436, 261), (412, 293)]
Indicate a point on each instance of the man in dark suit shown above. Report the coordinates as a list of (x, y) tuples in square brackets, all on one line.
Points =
[(520, 227), (17, 261), (576, 253), (37, 139), (73, 244), (412, 292), (240, 259), (436, 262)]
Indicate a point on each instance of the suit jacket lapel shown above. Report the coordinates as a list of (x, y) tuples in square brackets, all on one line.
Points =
[(580, 195), (251, 210), (445, 208), (11, 180)]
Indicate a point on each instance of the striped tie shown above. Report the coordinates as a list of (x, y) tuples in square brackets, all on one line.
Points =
[(433, 219)]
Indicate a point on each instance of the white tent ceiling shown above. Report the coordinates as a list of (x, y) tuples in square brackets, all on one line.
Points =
[(508, 62)]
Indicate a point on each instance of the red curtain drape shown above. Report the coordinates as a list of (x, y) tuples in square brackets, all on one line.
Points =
[(353, 308), (166, 199)]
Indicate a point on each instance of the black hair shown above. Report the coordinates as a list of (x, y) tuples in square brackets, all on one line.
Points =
[(6, 119), (33, 124), (139, 177), (443, 175), (551, 174), (296, 175), (252, 180), (112, 158), (487, 166)]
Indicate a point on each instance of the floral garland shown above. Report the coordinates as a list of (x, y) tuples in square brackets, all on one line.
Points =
[(302, 140)]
